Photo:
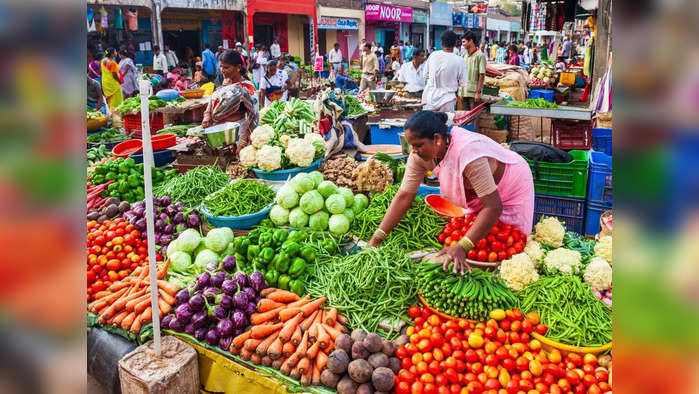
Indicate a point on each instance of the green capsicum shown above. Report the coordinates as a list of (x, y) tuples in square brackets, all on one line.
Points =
[(241, 245), (111, 175), (130, 162), (123, 168), (128, 196), (291, 248), (252, 252), (240, 259), (97, 179), (279, 236), (283, 282), (267, 254), (271, 278), (282, 265), (307, 253), (133, 181), (298, 267), (266, 239), (297, 236), (296, 286), (123, 187)]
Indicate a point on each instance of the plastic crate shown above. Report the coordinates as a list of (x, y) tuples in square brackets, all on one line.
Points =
[(542, 93), (593, 213), (425, 190), (564, 179), (282, 175), (160, 157), (567, 78), (599, 187), (385, 136), (602, 140), (572, 134), (132, 123), (571, 211)]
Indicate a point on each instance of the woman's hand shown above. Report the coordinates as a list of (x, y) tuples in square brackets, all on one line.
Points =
[(374, 242), (206, 123), (457, 255)]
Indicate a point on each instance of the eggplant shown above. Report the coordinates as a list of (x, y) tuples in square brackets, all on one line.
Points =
[(140, 210), (159, 225), (225, 343), (250, 308), (182, 297), (212, 267), (139, 204), (141, 224), (176, 325), (220, 312), (189, 329), (210, 294), (134, 219), (193, 220), (179, 205), (241, 279), (224, 328), (217, 279), (178, 218), (199, 319), (229, 264), (240, 300), (211, 337), (165, 201), (165, 239), (200, 333), (164, 217), (226, 301), (204, 280), (237, 331), (239, 319), (250, 292), (182, 312), (170, 210), (169, 228), (165, 323), (257, 281), (229, 286), (196, 303)]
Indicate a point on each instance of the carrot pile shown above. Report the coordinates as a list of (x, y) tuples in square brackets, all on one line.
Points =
[(93, 194), (127, 303), (290, 334)]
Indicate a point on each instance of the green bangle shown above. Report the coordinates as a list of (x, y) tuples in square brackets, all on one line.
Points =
[(465, 243)]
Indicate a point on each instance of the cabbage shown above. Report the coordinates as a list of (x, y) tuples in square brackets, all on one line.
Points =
[(317, 178), (335, 204), (180, 261), (301, 183), (230, 250), (287, 197), (338, 224), (319, 221), (172, 247), (298, 218), (327, 188), (311, 202), (279, 215), (218, 239), (204, 258), (348, 195), (188, 240), (350, 214), (360, 202)]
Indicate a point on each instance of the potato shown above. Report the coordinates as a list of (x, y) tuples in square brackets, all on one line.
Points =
[(344, 342), (388, 348), (111, 210), (401, 340), (383, 379), (329, 379), (124, 206), (337, 361), (394, 364), (112, 200), (360, 371), (365, 388), (346, 386), (93, 215), (358, 335), (359, 351), (378, 360), (373, 343)]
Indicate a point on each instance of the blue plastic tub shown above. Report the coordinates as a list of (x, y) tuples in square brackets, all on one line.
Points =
[(160, 157), (244, 222), (387, 136), (282, 175), (325, 74), (570, 211), (425, 190), (542, 93), (599, 186), (594, 212), (602, 140)]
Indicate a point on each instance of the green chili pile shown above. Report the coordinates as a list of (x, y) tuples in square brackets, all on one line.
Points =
[(192, 187), (417, 230), (240, 198), (572, 313), (367, 287)]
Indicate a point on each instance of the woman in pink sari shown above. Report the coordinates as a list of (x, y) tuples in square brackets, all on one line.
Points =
[(475, 173)]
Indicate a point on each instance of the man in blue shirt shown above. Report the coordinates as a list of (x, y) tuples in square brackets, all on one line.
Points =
[(341, 79), (408, 50), (209, 62)]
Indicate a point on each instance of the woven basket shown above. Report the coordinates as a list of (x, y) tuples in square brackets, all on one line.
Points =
[(604, 120), (496, 135), (192, 93)]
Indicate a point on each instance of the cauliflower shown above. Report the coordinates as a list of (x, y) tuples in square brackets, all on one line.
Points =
[(248, 156), (313, 137), (603, 248), (261, 136), (518, 272), (598, 274), (284, 140), (549, 231), (565, 260), (269, 158), (534, 251), (300, 152)]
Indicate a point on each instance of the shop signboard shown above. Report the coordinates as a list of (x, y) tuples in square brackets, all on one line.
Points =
[(332, 23), (457, 18), (441, 14), (385, 12), (419, 16), (481, 8), (473, 21)]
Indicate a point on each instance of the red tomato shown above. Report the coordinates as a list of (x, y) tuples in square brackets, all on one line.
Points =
[(594, 389), (527, 326), (522, 364), (425, 313), (589, 380), (601, 375), (501, 236), (411, 349), (533, 318), (414, 311), (440, 381), (471, 355), (497, 247), (447, 240), (416, 388), (492, 257), (519, 246), (482, 255), (403, 388), (511, 252), (471, 255), (401, 352), (441, 238), (526, 385), (406, 363), (575, 358), (90, 277), (406, 376), (474, 387), (505, 325), (430, 388), (512, 386), (490, 238), (510, 241), (514, 337), (572, 377), (434, 368), (482, 244), (541, 329)]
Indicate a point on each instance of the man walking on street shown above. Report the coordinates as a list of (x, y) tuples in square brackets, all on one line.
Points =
[(408, 51), (475, 73), (209, 63), (171, 57), (275, 51), (159, 61), (335, 57), (370, 68), (445, 73)]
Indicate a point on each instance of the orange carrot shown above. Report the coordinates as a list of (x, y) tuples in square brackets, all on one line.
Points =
[(300, 351), (306, 323), (128, 320), (275, 349), (141, 306), (315, 378), (289, 327), (95, 305), (332, 332), (323, 336), (313, 329), (267, 291), (103, 293), (117, 286), (164, 307), (330, 317), (321, 360), (266, 361), (147, 315), (234, 350), (240, 339), (264, 345), (266, 330), (283, 296), (296, 337), (277, 364), (132, 303), (251, 344), (255, 359), (285, 367), (306, 378), (304, 365), (312, 306), (313, 350), (245, 354), (340, 327), (265, 305), (301, 302), (288, 349), (259, 318), (166, 297), (136, 326), (168, 287), (341, 319), (288, 313), (118, 318), (163, 270)]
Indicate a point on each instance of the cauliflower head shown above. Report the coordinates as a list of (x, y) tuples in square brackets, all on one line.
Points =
[(313, 137), (534, 251), (284, 140), (564, 260), (603, 248), (261, 136), (598, 274), (300, 152), (248, 156), (549, 231), (518, 272), (269, 158)]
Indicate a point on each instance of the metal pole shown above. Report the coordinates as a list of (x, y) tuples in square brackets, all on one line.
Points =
[(146, 90)]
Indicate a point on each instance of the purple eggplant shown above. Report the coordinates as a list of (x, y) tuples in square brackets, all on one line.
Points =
[(182, 312), (250, 292), (225, 343), (170, 210), (164, 217), (199, 319), (140, 224), (241, 279), (226, 301), (178, 218), (196, 303), (133, 220), (237, 331), (169, 228), (165, 239), (250, 308), (159, 224), (182, 297), (165, 201), (229, 287), (212, 267), (203, 281), (211, 337), (239, 319), (218, 278), (220, 312), (240, 300), (229, 264), (257, 281), (210, 294), (140, 210), (176, 325), (193, 220), (165, 323), (200, 333), (138, 204), (189, 329), (179, 205), (224, 328)]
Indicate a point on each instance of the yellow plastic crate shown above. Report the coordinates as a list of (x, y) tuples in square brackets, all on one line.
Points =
[(567, 78)]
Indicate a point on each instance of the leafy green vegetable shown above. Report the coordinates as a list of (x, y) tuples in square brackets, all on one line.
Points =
[(240, 198), (534, 103)]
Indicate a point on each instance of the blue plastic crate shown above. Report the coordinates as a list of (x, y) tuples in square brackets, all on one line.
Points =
[(385, 136), (160, 157), (569, 210), (594, 212), (542, 93), (599, 186), (425, 190), (282, 175), (602, 140)]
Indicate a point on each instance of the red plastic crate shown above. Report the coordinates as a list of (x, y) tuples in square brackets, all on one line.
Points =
[(132, 123), (572, 134)]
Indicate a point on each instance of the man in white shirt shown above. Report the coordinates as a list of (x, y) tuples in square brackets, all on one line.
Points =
[(445, 72), (170, 56), (412, 73), (335, 57), (274, 51), (159, 61)]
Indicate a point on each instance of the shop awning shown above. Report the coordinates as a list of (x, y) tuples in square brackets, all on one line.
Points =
[(123, 3), (298, 7)]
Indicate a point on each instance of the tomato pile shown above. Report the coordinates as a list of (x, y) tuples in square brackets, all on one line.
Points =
[(502, 242), (114, 250), (498, 356)]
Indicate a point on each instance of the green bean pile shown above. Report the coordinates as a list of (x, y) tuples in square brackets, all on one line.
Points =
[(572, 313), (417, 230), (367, 287), (240, 198), (192, 187), (353, 106)]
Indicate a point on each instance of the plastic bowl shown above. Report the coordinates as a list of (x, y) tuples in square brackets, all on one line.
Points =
[(163, 141), (282, 175), (443, 206), (549, 344), (243, 222), (160, 157), (126, 148)]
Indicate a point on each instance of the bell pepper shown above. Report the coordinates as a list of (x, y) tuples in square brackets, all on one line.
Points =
[(123, 168), (298, 266), (102, 170), (297, 236), (266, 239), (97, 179), (111, 175), (279, 236), (241, 245), (267, 254), (240, 259), (291, 248), (252, 252), (128, 196), (114, 193), (282, 265), (283, 282), (123, 187), (130, 162), (296, 286), (329, 246), (307, 253), (133, 181), (271, 278), (138, 194)]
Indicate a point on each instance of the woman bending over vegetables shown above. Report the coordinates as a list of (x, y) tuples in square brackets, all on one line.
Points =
[(474, 172)]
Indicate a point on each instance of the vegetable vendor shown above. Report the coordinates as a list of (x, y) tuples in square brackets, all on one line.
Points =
[(474, 172), (234, 101)]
